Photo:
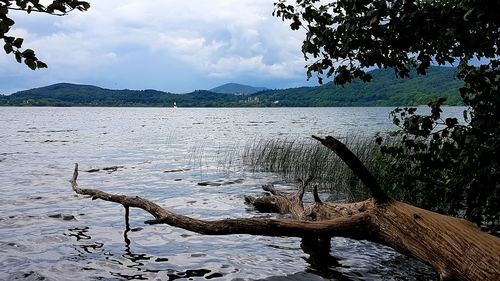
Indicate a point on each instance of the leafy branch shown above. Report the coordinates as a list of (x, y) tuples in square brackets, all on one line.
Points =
[(14, 45)]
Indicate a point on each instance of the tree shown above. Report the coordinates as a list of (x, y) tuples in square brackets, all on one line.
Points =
[(345, 37), (445, 165), (14, 45)]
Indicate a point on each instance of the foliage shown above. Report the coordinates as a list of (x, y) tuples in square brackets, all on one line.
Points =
[(14, 45), (450, 167), (345, 37), (444, 165), (385, 90)]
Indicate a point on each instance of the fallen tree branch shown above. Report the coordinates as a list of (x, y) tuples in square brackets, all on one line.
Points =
[(342, 226), (358, 168), (457, 249), (281, 202), (316, 195)]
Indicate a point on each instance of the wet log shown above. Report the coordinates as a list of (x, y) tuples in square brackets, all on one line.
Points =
[(456, 248)]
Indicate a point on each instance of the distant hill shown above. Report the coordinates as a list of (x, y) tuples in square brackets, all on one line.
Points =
[(66, 94), (234, 88), (384, 90)]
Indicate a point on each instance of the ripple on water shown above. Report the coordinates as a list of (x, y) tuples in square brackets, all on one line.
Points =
[(28, 276), (161, 155), (11, 246)]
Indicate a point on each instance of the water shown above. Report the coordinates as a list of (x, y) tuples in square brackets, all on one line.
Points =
[(49, 233)]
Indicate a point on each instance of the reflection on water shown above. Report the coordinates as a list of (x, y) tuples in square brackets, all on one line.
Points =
[(140, 266), (187, 160)]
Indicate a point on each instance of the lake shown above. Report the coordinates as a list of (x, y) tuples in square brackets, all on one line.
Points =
[(49, 233)]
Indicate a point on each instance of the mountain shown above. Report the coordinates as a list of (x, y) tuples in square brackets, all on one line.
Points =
[(384, 90), (234, 88)]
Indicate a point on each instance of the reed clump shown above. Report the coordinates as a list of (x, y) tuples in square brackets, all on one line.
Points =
[(293, 159)]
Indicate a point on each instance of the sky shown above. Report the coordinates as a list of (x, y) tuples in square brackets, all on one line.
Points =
[(168, 45)]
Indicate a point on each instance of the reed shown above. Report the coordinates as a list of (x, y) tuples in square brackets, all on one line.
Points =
[(293, 159)]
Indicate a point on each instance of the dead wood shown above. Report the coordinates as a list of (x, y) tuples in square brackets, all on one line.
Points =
[(281, 202), (346, 227), (358, 168), (457, 249)]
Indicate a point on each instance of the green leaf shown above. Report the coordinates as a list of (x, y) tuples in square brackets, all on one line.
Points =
[(18, 42), (8, 48), (40, 64), (30, 63), (451, 122), (396, 121), (468, 13), (3, 10), (8, 21), (83, 6), (19, 57), (28, 53)]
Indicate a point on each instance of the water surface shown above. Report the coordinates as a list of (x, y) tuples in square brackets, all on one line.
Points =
[(49, 233)]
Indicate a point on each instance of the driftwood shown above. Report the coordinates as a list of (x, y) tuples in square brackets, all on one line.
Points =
[(456, 248)]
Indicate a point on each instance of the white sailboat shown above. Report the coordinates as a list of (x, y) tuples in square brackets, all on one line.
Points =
[(175, 104)]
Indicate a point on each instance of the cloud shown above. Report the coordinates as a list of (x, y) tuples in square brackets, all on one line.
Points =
[(205, 41)]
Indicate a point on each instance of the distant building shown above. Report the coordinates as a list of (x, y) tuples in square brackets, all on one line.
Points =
[(253, 100)]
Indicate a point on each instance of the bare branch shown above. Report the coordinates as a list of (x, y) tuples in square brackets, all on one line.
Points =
[(355, 226), (356, 166), (302, 188), (270, 188), (316, 195)]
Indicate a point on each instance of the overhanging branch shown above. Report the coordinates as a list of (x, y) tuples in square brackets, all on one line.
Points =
[(42, 11)]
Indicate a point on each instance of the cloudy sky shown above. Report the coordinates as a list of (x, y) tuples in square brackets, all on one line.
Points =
[(168, 45)]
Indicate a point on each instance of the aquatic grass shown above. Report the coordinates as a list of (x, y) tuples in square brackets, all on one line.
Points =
[(293, 159), (228, 159)]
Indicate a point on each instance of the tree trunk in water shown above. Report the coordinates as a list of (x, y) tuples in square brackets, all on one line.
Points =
[(456, 248)]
